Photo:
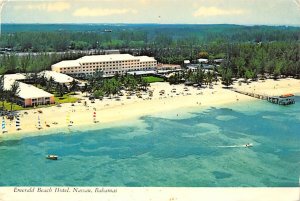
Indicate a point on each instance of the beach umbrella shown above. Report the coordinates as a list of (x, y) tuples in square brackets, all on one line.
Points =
[(94, 117), (18, 124), (39, 123), (3, 125)]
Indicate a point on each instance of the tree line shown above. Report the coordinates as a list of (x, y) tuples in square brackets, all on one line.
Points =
[(139, 36), (246, 60)]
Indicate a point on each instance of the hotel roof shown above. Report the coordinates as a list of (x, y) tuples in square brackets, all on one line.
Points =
[(104, 58), (58, 77), (25, 90), (101, 58), (29, 92), (9, 79), (145, 58), (67, 63)]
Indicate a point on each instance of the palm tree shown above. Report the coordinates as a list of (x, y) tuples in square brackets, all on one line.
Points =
[(198, 77), (144, 84), (60, 89), (2, 91), (227, 77), (173, 79), (188, 74), (4, 98), (112, 87), (74, 86), (126, 81), (42, 80), (50, 84), (84, 88), (96, 80), (35, 78), (209, 77), (107, 88), (12, 93)]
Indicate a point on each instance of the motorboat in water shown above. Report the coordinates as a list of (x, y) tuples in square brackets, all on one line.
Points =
[(52, 157), (248, 145)]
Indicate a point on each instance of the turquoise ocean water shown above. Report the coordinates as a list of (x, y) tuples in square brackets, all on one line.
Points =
[(194, 149)]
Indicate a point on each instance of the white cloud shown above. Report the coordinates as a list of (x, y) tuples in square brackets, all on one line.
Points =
[(97, 12), (214, 11), (49, 7), (58, 6)]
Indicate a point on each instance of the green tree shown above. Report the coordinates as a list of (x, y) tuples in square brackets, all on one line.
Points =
[(60, 89), (209, 77), (277, 70), (144, 84), (203, 55), (98, 93), (35, 78), (84, 88), (227, 77), (198, 76), (13, 93), (50, 84), (74, 86), (248, 74), (240, 64), (2, 91)]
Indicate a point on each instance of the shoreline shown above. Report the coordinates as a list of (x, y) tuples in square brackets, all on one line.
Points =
[(110, 111), (183, 113)]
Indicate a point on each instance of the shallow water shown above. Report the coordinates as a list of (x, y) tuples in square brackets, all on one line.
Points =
[(204, 148)]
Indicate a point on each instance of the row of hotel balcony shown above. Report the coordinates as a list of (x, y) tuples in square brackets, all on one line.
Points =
[(105, 67), (110, 72), (112, 62)]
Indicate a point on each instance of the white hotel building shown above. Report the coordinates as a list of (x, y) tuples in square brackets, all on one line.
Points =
[(108, 64)]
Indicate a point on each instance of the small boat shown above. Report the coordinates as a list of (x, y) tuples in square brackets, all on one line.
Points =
[(52, 157), (248, 145)]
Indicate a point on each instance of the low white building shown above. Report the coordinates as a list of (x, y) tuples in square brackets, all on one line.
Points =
[(9, 79), (202, 61), (186, 62), (28, 95), (151, 72), (108, 64), (57, 77)]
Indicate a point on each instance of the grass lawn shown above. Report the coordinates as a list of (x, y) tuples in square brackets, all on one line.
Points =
[(67, 98), (151, 79), (15, 106)]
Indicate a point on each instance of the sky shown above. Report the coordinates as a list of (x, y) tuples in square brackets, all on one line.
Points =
[(249, 12)]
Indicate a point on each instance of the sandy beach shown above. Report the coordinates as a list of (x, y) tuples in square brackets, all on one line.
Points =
[(112, 110)]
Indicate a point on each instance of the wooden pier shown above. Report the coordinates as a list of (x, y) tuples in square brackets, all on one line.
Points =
[(286, 99)]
